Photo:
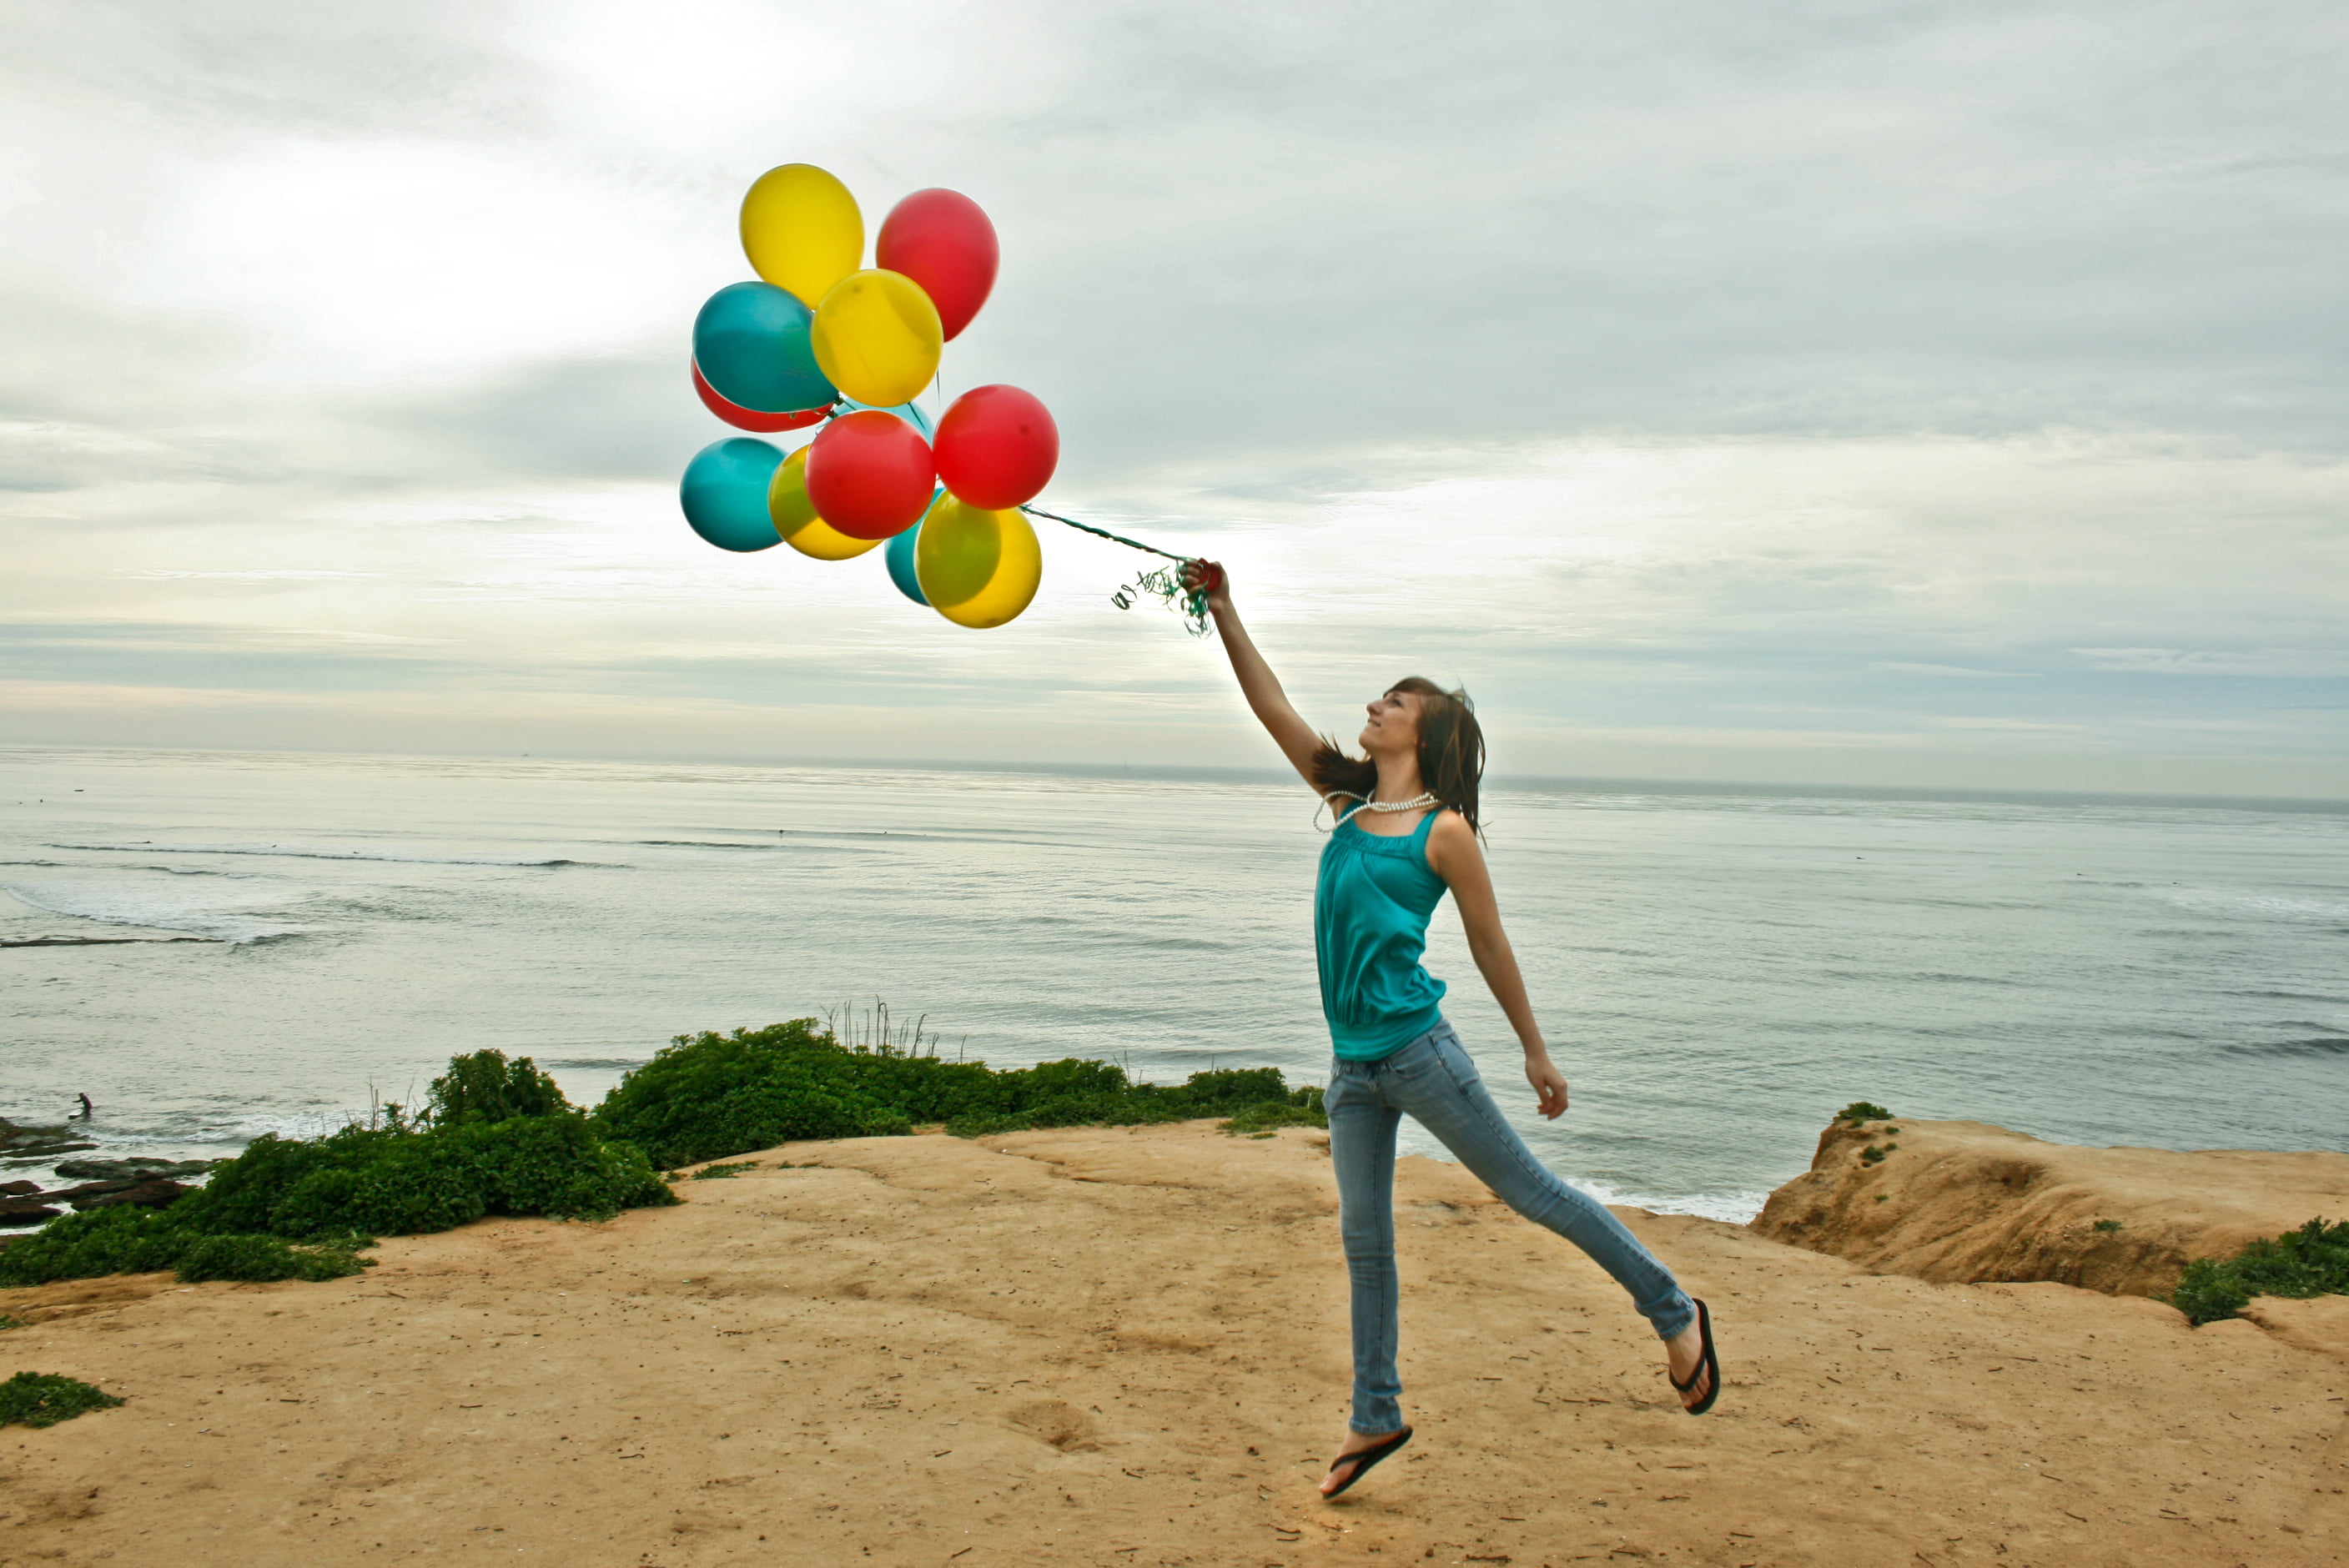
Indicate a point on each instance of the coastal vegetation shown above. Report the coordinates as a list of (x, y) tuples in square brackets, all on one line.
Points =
[(709, 1095), (1301, 1108), (2309, 1262), (44, 1398), (497, 1137), (305, 1207)]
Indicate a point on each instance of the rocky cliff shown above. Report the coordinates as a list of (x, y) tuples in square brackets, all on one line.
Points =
[(1964, 1201)]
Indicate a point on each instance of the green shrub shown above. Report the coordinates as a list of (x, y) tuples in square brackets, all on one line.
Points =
[(724, 1172), (2309, 1262), (268, 1258), (380, 1182), (498, 1138), (708, 1096), (123, 1238), (44, 1398), (2208, 1291), (1860, 1112), (987, 1123), (1232, 1089), (1276, 1113), (305, 1208), (7, 1323), (128, 1240), (485, 1087)]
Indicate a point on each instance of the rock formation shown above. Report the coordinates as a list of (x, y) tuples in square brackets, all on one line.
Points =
[(1967, 1202)]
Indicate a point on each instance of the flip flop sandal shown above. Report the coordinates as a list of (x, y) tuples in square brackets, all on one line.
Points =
[(1363, 1459), (1710, 1362)]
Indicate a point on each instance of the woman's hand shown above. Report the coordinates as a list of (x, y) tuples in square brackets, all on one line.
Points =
[(1210, 575), (1549, 1083)]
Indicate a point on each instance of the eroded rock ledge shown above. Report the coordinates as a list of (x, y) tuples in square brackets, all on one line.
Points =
[(1967, 1202)]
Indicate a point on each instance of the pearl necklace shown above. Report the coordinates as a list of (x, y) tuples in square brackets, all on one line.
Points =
[(1416, 803), (1423, 801)]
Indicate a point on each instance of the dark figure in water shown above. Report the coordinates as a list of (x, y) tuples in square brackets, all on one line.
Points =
[(88, 1109)]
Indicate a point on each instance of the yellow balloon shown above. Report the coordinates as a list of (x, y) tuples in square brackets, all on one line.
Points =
[(795, 518), (876, 337), (825, 542), (977, 568), (802, 230)]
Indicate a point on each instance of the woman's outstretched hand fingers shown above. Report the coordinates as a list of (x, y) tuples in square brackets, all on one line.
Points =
[(1550, 1085), (1210, 576)]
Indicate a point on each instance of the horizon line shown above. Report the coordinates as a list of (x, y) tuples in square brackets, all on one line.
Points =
[(1596, 784)]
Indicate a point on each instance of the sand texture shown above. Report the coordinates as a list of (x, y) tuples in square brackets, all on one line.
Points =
[(1967, 1202), (1101, 1347)]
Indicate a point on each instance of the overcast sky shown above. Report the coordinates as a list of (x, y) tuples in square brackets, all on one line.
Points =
[(1851, 393)]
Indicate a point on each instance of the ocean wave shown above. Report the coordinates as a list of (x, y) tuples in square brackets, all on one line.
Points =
[(277, 852), (1730, 1208), (367, 855), (708, 844), (593, 1064), (836, 838), (159, 871), (2287, 996), (127, 902), (94, 941), (196, 1134), (2285, 907), (2311, 1045)]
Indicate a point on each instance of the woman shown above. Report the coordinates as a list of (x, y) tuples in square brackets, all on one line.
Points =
[(1406, 833)]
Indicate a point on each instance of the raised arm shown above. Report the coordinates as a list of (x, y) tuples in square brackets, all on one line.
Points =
[(1257, 683)]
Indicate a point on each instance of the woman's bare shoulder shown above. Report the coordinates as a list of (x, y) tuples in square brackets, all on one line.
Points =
[(1451, 836)]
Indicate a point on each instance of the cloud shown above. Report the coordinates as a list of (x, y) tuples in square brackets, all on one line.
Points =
[(2272, 663), (1924, 378)]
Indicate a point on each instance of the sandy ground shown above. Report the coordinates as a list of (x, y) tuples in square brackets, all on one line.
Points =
[(1123, 1348)]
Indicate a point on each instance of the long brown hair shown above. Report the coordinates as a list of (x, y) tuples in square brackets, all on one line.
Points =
[(1451, 752)]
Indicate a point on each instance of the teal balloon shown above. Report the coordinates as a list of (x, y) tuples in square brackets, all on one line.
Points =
[(900, 556), (909, 412), (752, 344), (725, 493)]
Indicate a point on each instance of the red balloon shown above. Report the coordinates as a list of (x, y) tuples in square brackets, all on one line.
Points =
[(743, 419), (870, 474), (996, 446), (943, 242)]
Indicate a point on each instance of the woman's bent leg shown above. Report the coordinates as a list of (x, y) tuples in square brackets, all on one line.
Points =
[(1453, 1103), (1363, 1152)]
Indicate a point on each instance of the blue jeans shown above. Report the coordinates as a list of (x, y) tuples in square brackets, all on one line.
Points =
[(1434, 1081)]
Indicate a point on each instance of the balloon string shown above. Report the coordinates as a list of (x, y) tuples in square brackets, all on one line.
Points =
[(1103, 532), (1165, 582)]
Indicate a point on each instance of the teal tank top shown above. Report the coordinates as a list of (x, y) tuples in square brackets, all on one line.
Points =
[(1369, 926)]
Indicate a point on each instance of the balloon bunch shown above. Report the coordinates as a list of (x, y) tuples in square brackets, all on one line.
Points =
[(823, 340)]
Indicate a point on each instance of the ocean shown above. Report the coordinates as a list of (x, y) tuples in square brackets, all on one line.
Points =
[(1718, 969)]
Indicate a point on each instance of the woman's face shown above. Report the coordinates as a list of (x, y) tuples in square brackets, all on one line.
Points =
[(1393, 726)]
